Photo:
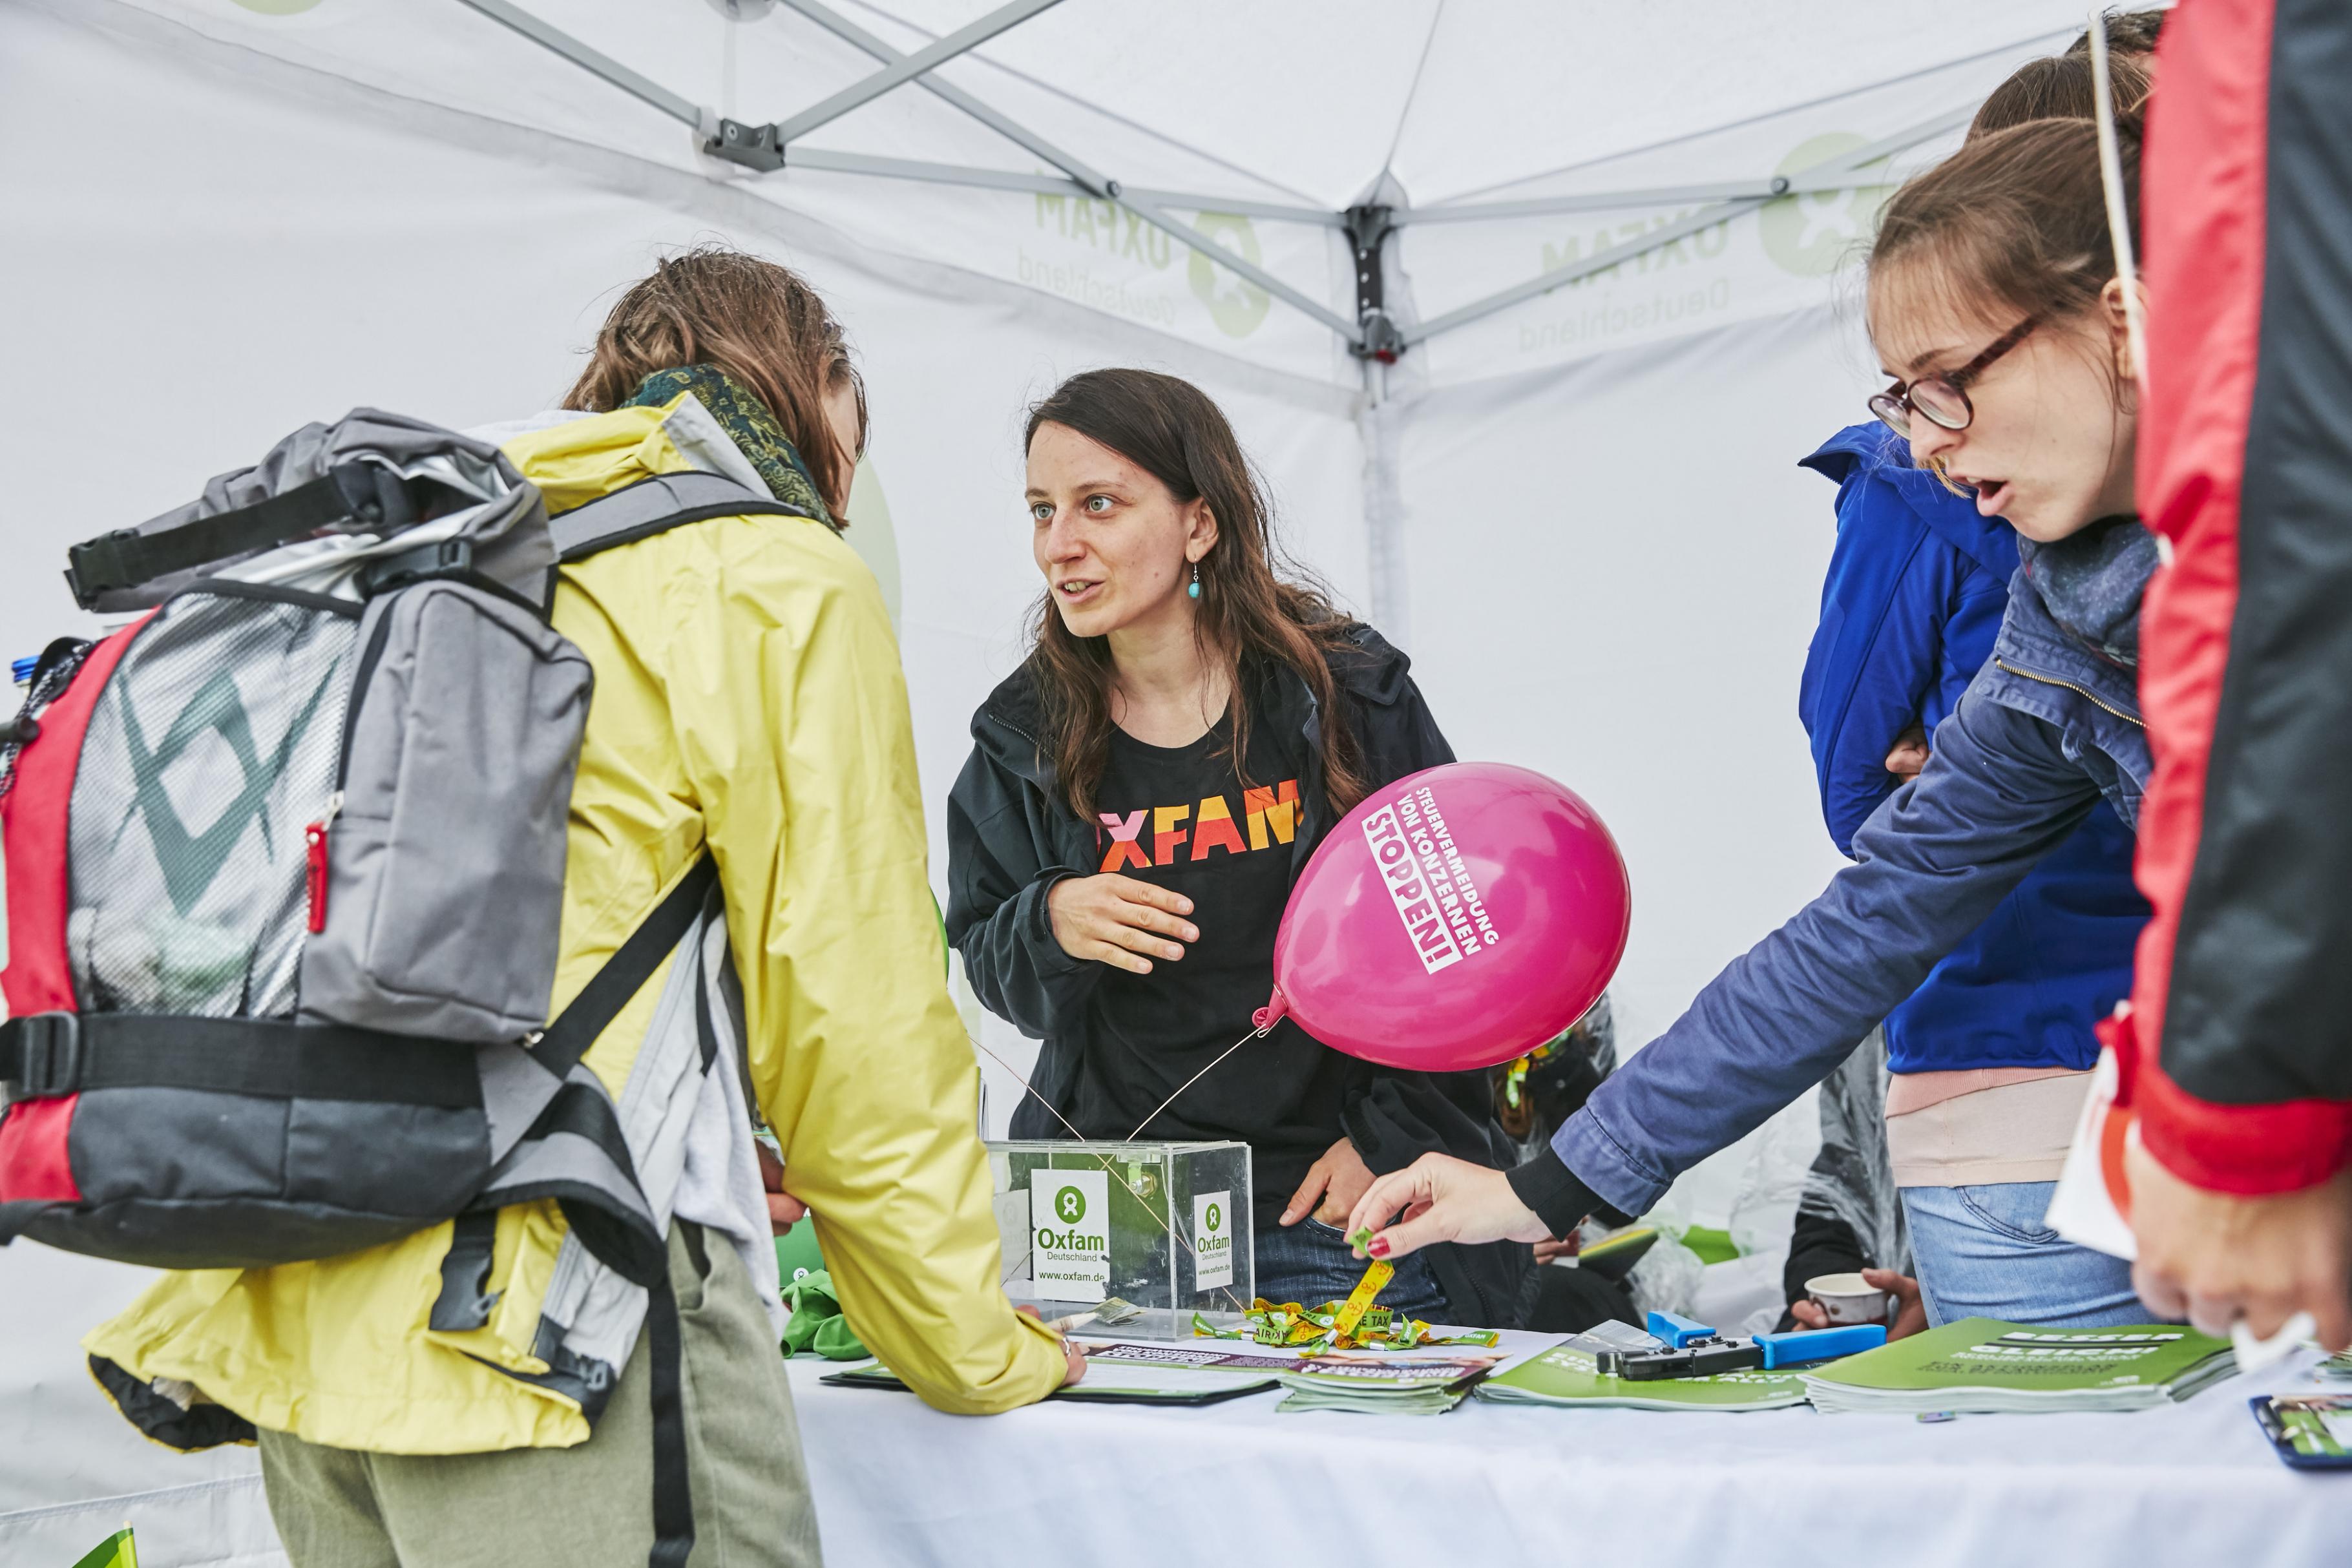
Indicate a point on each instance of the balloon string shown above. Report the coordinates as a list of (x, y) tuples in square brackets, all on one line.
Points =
[(1173, 1233), (1253, 1034)]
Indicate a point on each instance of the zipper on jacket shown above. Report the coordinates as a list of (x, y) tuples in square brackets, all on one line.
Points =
[(2078, 691)]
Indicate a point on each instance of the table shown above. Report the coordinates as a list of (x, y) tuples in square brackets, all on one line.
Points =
[(1120, 1486)]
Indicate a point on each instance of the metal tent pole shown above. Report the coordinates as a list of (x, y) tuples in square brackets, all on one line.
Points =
[(764, 148), (1817, 176), (592, 61), (1096, 182), (756, 147), (908, 68), (832, 162)]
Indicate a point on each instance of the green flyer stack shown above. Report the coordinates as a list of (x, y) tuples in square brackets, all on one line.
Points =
[(1979, 1364)]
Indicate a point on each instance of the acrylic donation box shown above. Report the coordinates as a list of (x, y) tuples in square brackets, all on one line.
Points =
[(1163, 1227)]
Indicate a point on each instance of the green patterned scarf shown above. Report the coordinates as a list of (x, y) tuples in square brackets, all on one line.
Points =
[(748, 422)]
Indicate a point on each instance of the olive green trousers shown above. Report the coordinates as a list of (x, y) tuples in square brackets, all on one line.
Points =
[(590, 1506)]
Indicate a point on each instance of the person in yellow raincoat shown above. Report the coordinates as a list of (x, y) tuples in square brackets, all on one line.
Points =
[(748, 701)]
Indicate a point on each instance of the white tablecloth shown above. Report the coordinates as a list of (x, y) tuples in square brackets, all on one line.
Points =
[(1122, 1487)]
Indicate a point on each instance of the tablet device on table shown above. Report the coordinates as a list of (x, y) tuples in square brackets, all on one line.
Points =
[(1117, 1385)]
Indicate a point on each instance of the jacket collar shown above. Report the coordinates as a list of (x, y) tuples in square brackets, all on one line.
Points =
[(2092, 582), (2033, 644), (747, 424), (1873, 452)]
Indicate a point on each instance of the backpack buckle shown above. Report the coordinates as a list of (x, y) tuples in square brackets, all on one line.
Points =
[(444, 558), (43, 1060), (102, 565)]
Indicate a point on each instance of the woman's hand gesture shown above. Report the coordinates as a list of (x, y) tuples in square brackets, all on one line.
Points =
[(1443, 1199), (1119, 921)]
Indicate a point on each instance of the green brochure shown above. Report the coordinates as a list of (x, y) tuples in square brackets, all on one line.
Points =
[(1982, 1365), (1565, 1376)]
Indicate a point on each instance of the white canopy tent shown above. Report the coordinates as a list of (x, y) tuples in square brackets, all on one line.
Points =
[(1527, 311)]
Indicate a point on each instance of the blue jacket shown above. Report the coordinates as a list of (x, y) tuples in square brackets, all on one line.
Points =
[(2045, 733), (1916, 587)]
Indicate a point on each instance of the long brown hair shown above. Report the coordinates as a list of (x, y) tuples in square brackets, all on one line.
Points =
[(758, 322), (2015, 221), (1172, 431)]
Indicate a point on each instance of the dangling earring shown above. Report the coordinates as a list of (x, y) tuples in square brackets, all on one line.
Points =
[(1195, 592)]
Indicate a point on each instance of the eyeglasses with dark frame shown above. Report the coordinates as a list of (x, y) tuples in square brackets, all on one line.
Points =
[(1944, 397)]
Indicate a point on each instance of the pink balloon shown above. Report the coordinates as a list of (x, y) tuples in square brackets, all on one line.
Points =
[(1454, 919)]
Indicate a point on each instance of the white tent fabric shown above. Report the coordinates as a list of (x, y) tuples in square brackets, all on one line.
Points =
[(1580, 514)]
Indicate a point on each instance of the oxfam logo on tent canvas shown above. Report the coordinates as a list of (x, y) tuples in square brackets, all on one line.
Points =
[(1812, 231), (1235, 304)]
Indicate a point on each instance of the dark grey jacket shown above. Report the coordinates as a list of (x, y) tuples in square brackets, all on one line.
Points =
[(1011, 837)]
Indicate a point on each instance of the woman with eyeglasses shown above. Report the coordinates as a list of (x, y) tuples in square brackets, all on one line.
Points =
[(1990, 1056), (1994, 306)]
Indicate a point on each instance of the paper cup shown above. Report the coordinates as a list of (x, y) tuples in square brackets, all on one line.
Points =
[(1848, 1298)]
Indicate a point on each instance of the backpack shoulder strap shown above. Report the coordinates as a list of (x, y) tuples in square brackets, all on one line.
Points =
[(655, 504)]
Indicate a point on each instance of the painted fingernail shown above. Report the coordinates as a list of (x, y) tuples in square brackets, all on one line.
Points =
[(1379, 1248)]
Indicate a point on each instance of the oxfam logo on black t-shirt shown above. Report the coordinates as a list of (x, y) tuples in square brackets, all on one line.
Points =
[(1269, 816)]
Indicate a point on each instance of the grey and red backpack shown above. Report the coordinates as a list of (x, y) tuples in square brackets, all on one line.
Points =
[(285, 864)]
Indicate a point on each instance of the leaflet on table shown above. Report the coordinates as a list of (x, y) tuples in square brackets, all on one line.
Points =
[(1358, 1402), (1336, 1368), (1563, 1376), (1983, 1365), (1384, 1375), (1383, 1385)]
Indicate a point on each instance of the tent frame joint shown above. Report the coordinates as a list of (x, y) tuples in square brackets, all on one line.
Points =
[(1368, 227), (753, 147)]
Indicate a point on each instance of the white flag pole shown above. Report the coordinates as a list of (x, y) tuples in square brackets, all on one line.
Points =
[(2111, 176)]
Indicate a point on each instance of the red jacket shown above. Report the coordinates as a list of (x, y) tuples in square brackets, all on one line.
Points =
[(2243, 1004)]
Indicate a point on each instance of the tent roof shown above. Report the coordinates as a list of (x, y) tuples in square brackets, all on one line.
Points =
[(1311, 100), (1293, 110), (1224, 142)]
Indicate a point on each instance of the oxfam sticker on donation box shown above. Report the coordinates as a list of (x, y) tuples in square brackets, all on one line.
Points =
[(1069, 1219), (1212, 1240)]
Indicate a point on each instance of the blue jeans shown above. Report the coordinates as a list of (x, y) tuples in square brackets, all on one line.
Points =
[(1984, 1252), (1311, 1263)]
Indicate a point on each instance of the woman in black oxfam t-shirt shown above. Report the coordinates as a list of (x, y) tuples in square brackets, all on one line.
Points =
[(1141, 794)]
